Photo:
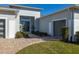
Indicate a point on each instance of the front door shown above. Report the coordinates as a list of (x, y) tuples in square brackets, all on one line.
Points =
[(26, 26), (26, 23)]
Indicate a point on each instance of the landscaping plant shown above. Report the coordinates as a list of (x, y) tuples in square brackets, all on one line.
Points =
[(40, 33), (77, 36), (64, 33), (21, 35)]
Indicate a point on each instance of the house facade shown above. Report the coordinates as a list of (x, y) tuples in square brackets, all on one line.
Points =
[(14, 17), (53, 23)]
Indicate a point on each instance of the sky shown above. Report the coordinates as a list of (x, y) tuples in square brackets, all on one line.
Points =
[(49, 8), (46, 8)]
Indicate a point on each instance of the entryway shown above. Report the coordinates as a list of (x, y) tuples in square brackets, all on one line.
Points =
[(26, 23)]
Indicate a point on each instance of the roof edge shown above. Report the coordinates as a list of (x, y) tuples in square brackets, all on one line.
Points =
[(60, 10), (27, 7)]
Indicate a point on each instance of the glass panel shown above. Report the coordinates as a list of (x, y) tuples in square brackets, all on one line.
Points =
[(26, 26), (25, 23)]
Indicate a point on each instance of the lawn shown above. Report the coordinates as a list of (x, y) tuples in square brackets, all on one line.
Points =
[(51, 47)]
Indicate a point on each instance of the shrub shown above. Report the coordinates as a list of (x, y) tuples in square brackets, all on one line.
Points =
[(25, 34), (77, 36), (21, 35), (64, 32), (40, 33), (43, 34)]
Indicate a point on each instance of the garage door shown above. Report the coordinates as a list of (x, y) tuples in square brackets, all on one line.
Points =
[(2, 28), (58, 25)]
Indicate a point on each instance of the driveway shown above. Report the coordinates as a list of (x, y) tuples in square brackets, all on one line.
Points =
[(11, 46)]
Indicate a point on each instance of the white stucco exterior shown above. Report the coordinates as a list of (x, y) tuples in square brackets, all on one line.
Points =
[(12, 21), (76, 21)]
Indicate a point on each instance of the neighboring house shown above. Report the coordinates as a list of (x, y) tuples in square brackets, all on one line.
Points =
[(13, 17), (53, 23)]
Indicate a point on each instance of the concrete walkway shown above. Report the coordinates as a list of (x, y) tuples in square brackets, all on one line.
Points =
[(11, 46)]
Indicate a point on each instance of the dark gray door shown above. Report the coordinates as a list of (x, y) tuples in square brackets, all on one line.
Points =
[(58, 25), (2, 28)]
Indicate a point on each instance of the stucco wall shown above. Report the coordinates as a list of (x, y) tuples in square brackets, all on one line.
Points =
[(76, 21)]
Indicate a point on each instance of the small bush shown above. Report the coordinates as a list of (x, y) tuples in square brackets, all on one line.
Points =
[(21, 35), (64, 33), (40, 33), (77, 36), (25, 34)]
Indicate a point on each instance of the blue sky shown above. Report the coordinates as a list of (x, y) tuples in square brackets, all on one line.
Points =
[(47, 8)]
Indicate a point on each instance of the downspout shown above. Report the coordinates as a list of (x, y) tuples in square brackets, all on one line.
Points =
[(72, 22), (69, 30), (71, 26)]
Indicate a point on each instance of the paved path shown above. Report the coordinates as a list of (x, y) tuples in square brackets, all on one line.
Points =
[(11, 46)]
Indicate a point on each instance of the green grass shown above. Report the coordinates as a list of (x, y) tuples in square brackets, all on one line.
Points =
[(51, 47)]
